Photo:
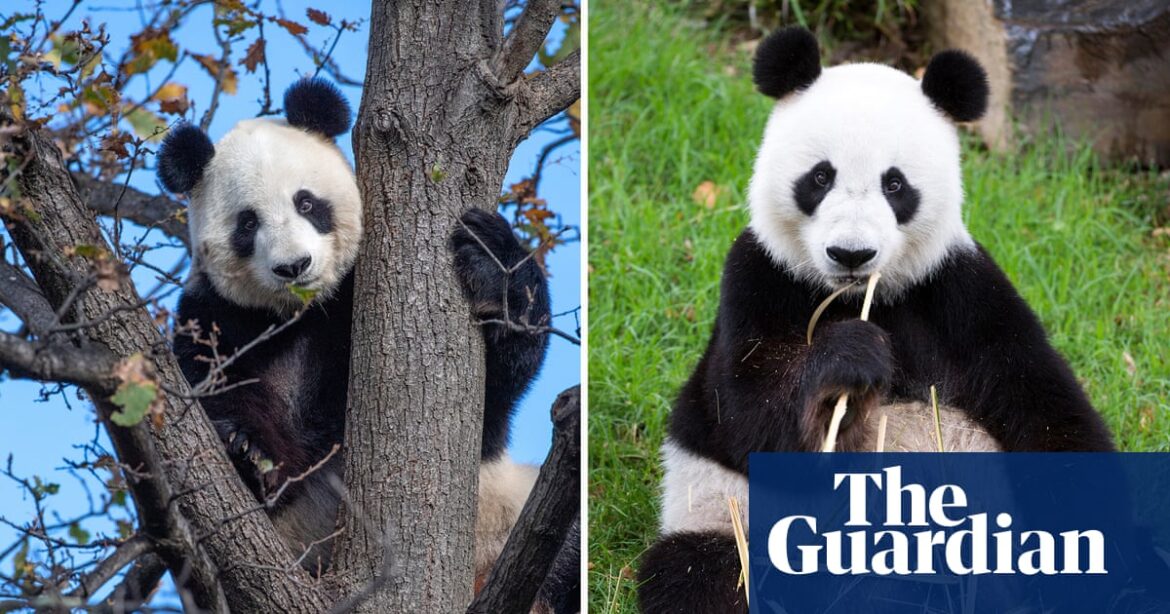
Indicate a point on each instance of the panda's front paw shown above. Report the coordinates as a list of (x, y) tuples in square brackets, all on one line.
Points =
[(260, 471), (486, 252), (849, 357)]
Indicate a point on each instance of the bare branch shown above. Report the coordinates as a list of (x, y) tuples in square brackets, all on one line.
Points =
[(85, 366), (526, 38), (20, 293), (549, 92), (545, 520), (137, 206), (123, 555), (135, 588)]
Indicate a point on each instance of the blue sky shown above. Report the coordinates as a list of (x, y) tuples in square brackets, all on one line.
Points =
[(41, 435)]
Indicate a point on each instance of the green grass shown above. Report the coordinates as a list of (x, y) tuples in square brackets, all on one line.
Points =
[(672, 107)]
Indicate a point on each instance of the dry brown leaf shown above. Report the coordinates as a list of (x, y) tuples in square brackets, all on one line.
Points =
[(174, 106), (134, 370), (320, 18), (254, 56), (110, 274), (707, 194), (291, 26), (223, 73)]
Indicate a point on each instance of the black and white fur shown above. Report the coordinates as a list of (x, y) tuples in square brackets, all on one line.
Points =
[(858, 172), (275, 203)]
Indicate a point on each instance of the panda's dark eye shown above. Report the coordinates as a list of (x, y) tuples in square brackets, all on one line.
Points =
[(821, 178), (900, 193), (317, 210), (248, 220), (243, 238)]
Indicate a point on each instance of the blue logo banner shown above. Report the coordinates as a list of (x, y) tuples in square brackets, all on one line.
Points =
[(959, 532)]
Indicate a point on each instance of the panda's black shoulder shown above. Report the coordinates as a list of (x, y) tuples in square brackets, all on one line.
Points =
[(755, 289), (973, 299), (203, 311), (201, 302)]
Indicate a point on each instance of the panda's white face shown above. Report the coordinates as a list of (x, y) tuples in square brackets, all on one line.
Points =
[(276, 206), (859, 173)]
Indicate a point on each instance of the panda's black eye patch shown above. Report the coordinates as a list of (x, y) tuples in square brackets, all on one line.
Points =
[(243, 238), (810, 189), (317, 210), (902, 196)]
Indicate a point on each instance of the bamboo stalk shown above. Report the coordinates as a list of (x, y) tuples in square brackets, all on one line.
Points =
[(937, 419), (842, 401), (740, 544)]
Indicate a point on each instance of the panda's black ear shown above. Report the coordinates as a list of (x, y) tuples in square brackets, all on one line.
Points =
[(317, 105), (956, 84), (787, 60), (184, 154)]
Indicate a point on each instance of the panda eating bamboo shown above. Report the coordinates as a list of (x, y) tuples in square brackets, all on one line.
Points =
[(858, 172)]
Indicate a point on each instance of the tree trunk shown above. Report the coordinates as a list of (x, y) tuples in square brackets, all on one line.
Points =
[(429, 144), (444, 106)]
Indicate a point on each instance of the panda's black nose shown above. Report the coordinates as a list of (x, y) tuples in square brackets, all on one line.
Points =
[(293, 270), (851, 258)]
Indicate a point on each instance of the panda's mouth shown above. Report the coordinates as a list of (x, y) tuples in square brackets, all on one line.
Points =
[(846, 280)]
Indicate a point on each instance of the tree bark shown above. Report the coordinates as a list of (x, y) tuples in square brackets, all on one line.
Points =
[(544, 523), (436, 128)]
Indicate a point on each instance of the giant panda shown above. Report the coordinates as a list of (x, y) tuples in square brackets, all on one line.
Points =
[(858, 172), (274, 204)]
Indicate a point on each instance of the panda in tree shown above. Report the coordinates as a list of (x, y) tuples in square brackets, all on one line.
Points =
[(858, 172), (275, 220)]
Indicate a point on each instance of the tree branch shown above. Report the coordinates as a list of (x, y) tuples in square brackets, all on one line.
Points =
[(134, 205), (545, 520), (526, 38), (91, 366), (20, 293), (123, 555), (135, 588), (548, 92)]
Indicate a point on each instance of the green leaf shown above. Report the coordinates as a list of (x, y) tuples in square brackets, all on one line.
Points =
[(146, 125), (80, 535), (437, 173), (88, 251), (236, 24), (305, 294), (40, 489), (265, 465), (66, 50), (135, 399), (118, 497), (20, 564)]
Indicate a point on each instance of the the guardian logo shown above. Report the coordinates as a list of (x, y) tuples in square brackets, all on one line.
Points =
[(949, 540)]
